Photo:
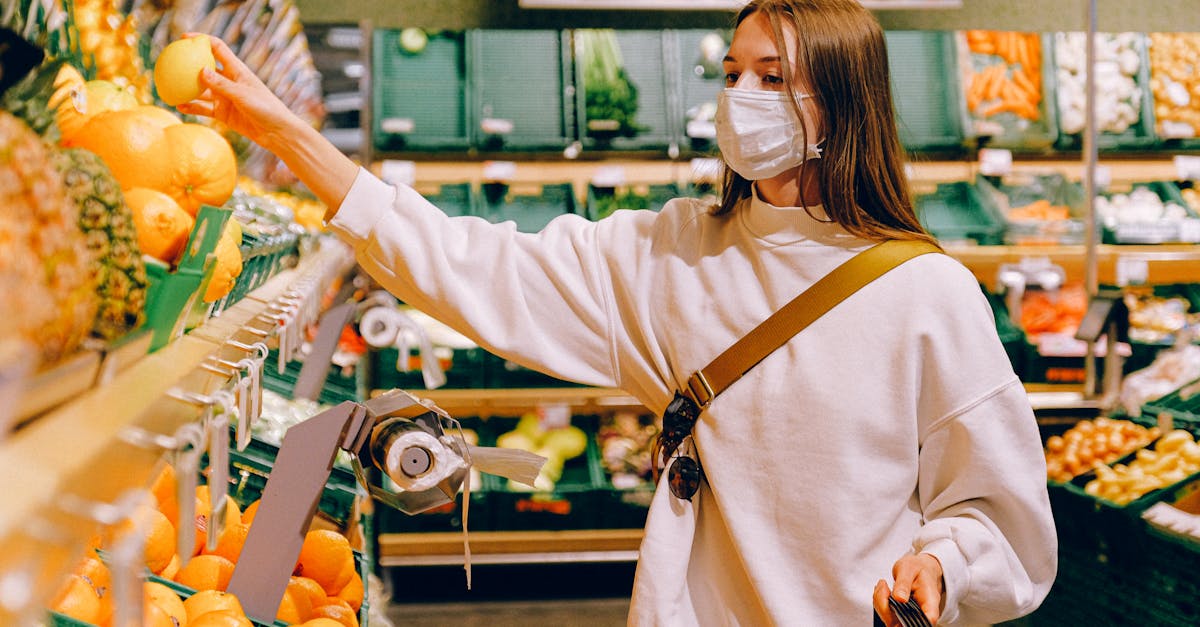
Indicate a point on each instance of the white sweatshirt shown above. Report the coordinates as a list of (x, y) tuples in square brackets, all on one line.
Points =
[(893, 424)]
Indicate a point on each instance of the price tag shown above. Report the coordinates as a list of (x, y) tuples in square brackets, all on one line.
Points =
[(706, 169), (397, 126), (1189, 230), (554, 415), (701, 129), (1132, 271), (609, 176), (398, 172), (499, 171), (1103, 176), (1187, 167), (995, 162)]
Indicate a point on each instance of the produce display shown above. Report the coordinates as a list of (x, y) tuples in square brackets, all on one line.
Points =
[(611, 99), (111, 38), (557, 445), (1173, 458), (1154, 319), (1140, 206), (1092, 442), (1059, 311), (626, 447), (1118, 95), (1173, 370), (1192, 197), (1004, 79), (1039, 210), (1175, 83)]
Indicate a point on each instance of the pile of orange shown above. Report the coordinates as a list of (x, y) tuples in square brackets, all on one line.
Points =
[(167, 168)]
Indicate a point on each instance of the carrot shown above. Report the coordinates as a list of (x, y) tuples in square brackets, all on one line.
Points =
[(975, 92), (1002, 46), (1022, 81), (995, 82)]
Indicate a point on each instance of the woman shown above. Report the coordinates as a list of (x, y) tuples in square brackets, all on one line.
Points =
[(889, 438)]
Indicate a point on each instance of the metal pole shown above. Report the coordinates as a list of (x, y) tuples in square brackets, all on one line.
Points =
[(1089, 190)]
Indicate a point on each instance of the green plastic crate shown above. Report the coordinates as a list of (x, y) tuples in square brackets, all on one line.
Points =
[(466, 371), (503, 373), (1054, 188), (1139, 135), (698, 85), (338, 387), (1007, 130), (421, 100), (602, 201), (645, 55), (530, 209), (925, 88), (250, 469), (454, 199), (573, 504), (957, 212), (541, 109), (1160, 232)]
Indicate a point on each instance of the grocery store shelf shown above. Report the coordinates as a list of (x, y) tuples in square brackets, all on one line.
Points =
[(487, 402), (510, 547), (1161, 264)]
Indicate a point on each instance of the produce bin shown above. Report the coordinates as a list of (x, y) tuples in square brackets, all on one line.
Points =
[(700, 78), (602, 201), (464, 369), (1176, 111), (925, 88), (338, 386), (1025, 191), (502, 373), (644, 56), (526, 114), (454, 199), (420, 99), (574, 502), (531, 208), (957, 212), (1145, 349), (991, 116), (1186, 230), (1140, 134)]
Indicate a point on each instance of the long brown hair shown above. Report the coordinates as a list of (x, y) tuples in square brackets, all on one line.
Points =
[(840, 47)]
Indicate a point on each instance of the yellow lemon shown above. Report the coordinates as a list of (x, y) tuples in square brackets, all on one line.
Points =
[(177, 70)]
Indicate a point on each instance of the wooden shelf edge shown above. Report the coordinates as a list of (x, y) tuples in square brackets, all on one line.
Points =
[(413, 546)]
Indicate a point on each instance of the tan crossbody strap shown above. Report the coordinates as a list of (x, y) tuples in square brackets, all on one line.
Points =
[(802, 311)]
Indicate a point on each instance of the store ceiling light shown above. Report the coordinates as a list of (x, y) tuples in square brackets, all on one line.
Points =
[(693, 5)]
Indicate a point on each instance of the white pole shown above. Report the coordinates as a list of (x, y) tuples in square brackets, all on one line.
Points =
[(1089, 189)]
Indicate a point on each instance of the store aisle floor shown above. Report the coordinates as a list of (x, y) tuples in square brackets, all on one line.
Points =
[(558, 612)]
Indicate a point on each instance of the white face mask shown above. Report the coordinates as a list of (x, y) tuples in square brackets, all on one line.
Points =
[(759, 134)]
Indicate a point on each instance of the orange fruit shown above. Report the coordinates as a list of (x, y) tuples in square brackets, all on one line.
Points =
[(221, 618), (206, 601), (206, 572), (353, 592), (133, 145), (340, 612), (77, 599), (171, 569), (326, 558), (177, 69), (314, 591), (229, 264), (294, 607), (156, 594), (250, 512), (321, 622), (203, 167), (162, 227), (159, 116), (163, 489), (155, 616), (229, 545), (160, 537), (233, 516), (95, 573), (84, 101)]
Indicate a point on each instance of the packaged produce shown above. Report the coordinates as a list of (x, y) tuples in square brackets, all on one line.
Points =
[(1174, 457), (1192, 197), (1170, 371), (1003, 80), (1118, 94), (1059, 311), (1155, 319), (1091, 442), (1175, 83), (1039, 210), (1139, 206), (626, 447), (111, 39)]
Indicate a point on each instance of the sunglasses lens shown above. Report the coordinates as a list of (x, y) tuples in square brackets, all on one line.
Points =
[(684, 478)]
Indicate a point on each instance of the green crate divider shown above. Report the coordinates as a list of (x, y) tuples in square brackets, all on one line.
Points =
[(602, 201), (1152, 233), (454, 199), (573, 504), (958, 211), (645, 54), (430, 89), (1011, 336), (337, 388), (1186, 413), (466, 371), (530, 212), (1070, 231), (542, 111), (694, 88), (925, 88), (1140, 135), (1016, 132)]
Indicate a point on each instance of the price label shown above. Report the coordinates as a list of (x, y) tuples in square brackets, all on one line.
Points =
[(995, 162), (554, 415), (1189, 230), (1187, 167), (499, 171), (1131, 271), (397, 126), (1103, 176), (398, 172), (609, 176), (706, 170)]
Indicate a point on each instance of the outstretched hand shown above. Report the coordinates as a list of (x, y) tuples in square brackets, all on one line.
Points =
[(919, 576), (235, 97)]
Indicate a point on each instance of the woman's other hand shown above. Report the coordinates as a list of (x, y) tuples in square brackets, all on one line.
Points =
[(919, 576)]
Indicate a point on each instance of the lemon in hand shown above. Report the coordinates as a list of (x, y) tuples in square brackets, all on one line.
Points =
[(177, 70)]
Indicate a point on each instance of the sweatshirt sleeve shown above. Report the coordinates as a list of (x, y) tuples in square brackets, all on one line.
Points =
[(982, 486), (541, 300)]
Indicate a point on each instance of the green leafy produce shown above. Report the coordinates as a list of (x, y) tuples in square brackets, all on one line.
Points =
[(611, 99), (609, 201)]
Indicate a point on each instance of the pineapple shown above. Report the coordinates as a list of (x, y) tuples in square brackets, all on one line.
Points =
[(107, 224), (54, 302)]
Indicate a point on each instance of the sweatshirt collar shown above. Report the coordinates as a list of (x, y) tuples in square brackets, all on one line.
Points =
[(788, 225)]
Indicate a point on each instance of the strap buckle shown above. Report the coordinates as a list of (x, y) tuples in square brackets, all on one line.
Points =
[(699, 389)]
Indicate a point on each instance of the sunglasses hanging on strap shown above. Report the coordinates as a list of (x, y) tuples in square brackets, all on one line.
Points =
[(676, 442)]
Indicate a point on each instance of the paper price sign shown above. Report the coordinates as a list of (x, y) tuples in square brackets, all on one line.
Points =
[(995, 162), (1187, 167), (500, 171)]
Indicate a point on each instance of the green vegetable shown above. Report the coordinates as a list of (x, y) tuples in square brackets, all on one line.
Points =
[(609, 200), (611, 99)]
